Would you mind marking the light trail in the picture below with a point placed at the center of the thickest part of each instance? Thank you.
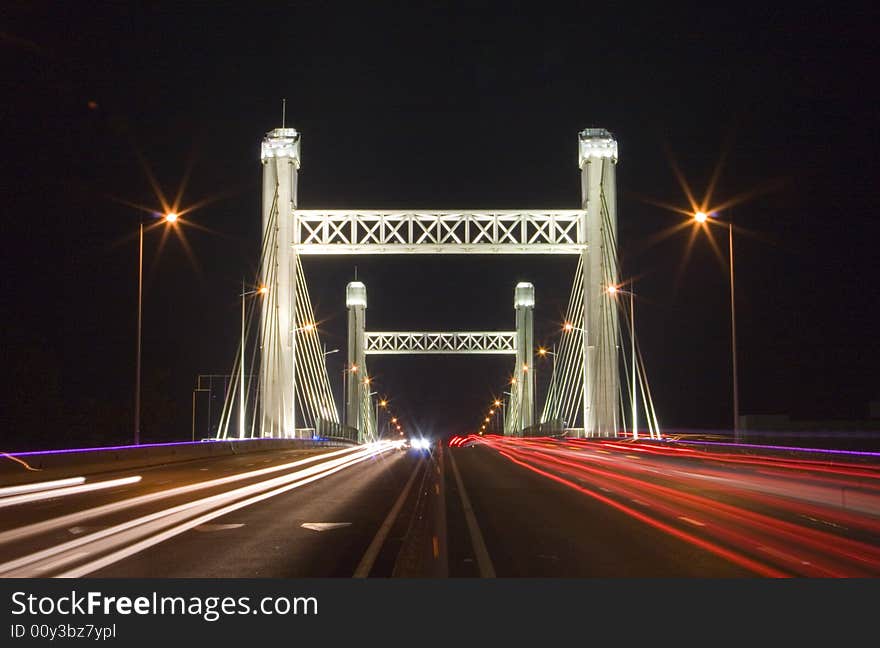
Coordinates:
(64, 492)
(732, 556)
(29, 488)
(135, 535)
(701, 496)
(113, 507)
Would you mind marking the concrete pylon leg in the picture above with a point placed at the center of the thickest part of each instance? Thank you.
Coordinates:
(524, 303)
(356, 302)
(597, 159)
(280, 156)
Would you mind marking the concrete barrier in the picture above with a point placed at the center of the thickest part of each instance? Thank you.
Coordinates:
(27, 467)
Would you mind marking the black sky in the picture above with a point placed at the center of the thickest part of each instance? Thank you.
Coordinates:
(440, 105)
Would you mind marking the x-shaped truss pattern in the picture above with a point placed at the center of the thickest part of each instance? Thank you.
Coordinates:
(436, 342)
(438, 232)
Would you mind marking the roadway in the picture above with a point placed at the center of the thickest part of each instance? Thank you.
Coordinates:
(296, 513)
(622, 509)
(486, 507)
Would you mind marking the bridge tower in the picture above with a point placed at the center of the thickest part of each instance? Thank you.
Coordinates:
(280, 157)
(524, 303)
(597, 159)
(356, 302)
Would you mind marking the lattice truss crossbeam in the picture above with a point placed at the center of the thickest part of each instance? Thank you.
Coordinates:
(389, 343)
(437, 232)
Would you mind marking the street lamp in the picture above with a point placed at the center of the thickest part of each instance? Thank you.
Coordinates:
(503, 410)
(352, 369)
(384, 405)
(544, 353)
(262, 290)
(701, 218)
(169, 219)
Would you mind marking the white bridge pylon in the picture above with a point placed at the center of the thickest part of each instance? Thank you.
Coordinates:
(291, 381)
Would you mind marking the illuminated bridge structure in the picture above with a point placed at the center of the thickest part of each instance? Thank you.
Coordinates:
(586, 393)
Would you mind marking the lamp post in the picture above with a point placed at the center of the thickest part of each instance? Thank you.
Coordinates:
(169, 219)
(503, 412)
(702, 218)
(544, 353)
(352, 369)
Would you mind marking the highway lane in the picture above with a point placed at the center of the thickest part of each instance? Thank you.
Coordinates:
(178, 516)
(594, 508)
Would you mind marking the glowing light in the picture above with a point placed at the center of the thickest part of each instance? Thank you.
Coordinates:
(491, 412)
(383, 403)
(487, 420)
(513, 381)
(542, 351)
(70, 490)
(41, 486)
(308, 327)
(497, 403)
(525, 367)
(353, 369)
(612, 290)
(263, 290)
(394, 420)
(568, 327)
(701, 216)
(171, 217)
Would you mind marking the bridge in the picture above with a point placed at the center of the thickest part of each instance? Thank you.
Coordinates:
(587, 398)
(295, 484)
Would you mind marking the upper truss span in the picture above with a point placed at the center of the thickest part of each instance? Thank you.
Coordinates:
(431, 342)
(335, 231)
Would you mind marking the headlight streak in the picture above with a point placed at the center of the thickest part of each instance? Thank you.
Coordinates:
(111, 538)
(80, 516)
(63, 492)
(820, 553)
(130, 550)
(29, 488)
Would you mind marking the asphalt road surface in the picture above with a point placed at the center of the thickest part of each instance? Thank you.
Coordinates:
(482, 508)
(274, 514)
(611, 509)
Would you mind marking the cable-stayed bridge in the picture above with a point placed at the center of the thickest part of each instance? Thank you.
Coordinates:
(296, 484)
(587, 396)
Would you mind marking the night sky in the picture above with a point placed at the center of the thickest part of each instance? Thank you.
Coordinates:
(421, 105)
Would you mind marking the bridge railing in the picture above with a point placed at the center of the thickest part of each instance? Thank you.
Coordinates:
(335, 431)
(555, 427)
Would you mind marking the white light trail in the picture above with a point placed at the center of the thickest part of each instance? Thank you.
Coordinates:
(62, 492)
(29, 488)
(76, 518)
(121, 535)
